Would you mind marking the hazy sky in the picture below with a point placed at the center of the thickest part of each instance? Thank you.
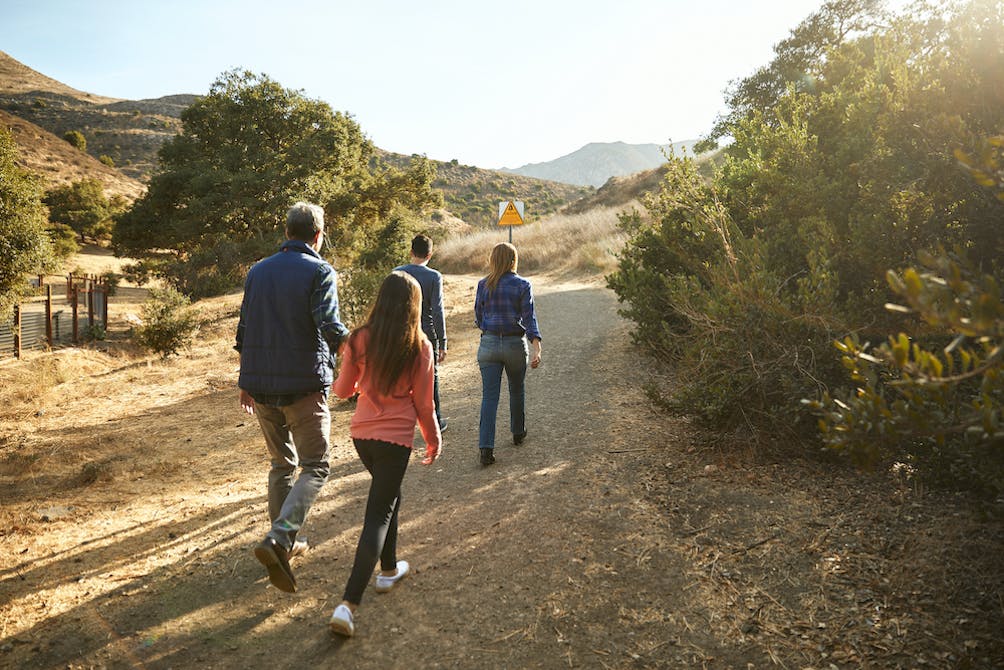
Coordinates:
(492, 84)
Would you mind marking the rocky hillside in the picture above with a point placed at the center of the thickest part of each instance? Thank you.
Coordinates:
(473, 194)
(40, 110)
(595, 163)
(129, 132)
(59, 163)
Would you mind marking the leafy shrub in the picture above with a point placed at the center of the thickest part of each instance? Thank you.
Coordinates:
(359, 284)
(706, 301)
(217, 269)
(841, 167)
(76, 138)
(169, 324)
(111, 279)
(25, 247)
(938, 408)
(940, 411)
(64, 240)
(107, 160)
(82, 205)
(95, 331)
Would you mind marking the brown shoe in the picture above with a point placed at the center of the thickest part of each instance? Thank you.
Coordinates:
(271, 554)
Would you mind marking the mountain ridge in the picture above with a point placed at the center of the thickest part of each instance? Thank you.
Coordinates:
(597, 162)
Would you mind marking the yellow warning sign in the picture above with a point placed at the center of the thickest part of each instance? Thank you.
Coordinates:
(511, 214)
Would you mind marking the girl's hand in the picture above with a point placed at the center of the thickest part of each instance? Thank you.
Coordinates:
(432, 454)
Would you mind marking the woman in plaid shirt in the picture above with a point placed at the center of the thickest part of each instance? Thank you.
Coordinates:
(504, 311)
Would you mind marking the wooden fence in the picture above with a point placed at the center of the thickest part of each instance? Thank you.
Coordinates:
(67, 311)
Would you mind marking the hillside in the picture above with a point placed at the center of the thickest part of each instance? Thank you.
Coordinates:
(595, 163)
(131, 132)
(472, 193)
(59, 163)
(16, 78)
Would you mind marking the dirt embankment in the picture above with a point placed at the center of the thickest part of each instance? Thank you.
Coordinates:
(134, 491)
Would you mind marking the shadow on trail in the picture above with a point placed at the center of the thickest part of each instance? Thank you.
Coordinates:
(545, 559)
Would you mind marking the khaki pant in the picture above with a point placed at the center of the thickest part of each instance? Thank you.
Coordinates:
(296, 435)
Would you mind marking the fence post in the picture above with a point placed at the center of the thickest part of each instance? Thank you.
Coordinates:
(48, 315)
(69, 287)
(17, 331)
(76, 337)
(104, 307)
(90, 306)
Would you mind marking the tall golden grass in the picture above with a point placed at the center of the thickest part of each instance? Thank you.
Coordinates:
(576, 244)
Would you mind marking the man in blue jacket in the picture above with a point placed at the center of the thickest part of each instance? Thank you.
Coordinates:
(287, 336)
(433, 319)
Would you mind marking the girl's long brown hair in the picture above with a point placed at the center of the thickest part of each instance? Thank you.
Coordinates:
(395, 331)
(502, 259)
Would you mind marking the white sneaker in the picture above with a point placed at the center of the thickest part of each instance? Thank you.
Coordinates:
(385, 583)
(341, 622)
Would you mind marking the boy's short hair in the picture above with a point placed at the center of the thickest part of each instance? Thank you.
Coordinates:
(421, 246)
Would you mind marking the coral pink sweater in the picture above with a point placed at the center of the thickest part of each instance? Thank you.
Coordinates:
(390, 418)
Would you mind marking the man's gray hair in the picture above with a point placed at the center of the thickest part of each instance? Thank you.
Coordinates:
(303, 220)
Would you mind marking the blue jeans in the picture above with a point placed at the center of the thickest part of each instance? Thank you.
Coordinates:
(495, 354)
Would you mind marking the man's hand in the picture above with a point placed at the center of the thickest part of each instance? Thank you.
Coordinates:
(535, 355)
(442, 356)
(247, 402)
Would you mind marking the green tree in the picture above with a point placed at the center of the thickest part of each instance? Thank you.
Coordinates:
(24, 245)
(83, 207)
(76, 138)
(248, 150)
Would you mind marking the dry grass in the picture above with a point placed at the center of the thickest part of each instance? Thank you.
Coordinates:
(578, 244)
(59, 163)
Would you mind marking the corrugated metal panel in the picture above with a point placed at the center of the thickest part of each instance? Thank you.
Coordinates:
(6, 339)
(33, 331)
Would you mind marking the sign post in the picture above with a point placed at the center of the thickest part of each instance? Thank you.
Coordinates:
(511, 214)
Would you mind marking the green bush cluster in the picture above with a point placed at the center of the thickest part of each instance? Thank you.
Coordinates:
(842, 167)
(25, 248)
(932, 403)
(169, 323)
(76, 138)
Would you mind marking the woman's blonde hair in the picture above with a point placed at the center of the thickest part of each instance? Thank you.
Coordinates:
(394, 325)
(502, 259)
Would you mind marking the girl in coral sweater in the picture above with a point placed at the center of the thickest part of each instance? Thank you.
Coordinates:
(389, 363)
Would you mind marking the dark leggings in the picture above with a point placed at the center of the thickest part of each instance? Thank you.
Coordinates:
(386, 463)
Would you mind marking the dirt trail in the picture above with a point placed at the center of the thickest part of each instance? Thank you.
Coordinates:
(604, 541)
